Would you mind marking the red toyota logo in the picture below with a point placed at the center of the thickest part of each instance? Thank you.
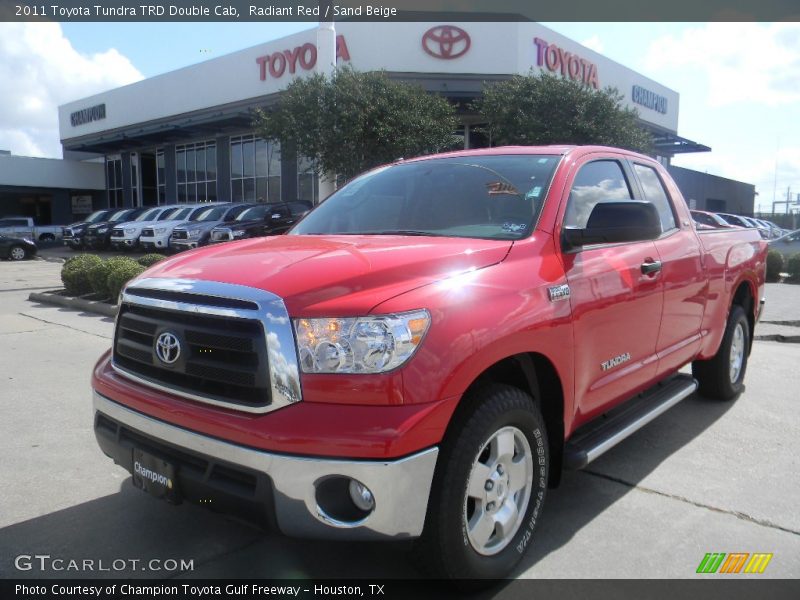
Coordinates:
(446, 41)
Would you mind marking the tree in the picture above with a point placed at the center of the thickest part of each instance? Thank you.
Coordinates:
(355, 121)
(545, 109)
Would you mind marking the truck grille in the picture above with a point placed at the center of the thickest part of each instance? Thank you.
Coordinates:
(117, 233)
(148, 232)
(220, 358)
(67, 233)
(180, 235)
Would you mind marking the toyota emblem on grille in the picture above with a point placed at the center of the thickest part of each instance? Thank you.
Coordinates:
(446, 41)
(168, 348)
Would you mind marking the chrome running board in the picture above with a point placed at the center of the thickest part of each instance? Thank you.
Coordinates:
(605, 432)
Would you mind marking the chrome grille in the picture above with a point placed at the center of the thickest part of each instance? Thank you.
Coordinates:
(180, 234)
(117, 233)
(148, 232)
(236, 349)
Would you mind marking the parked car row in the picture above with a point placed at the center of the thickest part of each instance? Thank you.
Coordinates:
(182, 226)
(709, 220)
(788, 244)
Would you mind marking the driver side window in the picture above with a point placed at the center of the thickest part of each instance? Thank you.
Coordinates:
(598, 181)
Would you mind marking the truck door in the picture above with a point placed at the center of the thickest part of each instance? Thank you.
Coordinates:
(615, 293)
(682, 274)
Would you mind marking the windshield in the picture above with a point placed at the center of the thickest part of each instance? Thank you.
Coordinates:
(96, 216)
(176, 214)
(254, 212)
(210, 214)
(489, 197)
(120, 214)
(148, 215)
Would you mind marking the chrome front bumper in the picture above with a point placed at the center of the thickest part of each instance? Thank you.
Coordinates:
(400, 487)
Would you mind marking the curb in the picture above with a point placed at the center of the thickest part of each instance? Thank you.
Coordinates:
(90, 306)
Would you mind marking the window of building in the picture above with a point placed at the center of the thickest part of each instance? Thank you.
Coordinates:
(654, 192)
(114, 181)
(307, 181)
(598, 181)
(255, 170)
(196, 167)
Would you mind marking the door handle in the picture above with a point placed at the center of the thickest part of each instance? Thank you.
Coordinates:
(651, 267)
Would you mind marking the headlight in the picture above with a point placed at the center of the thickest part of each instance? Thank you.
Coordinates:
(130, 231)
(359, 344)
(238, 234)
(161, 231)
(102, 230)
(193, 233)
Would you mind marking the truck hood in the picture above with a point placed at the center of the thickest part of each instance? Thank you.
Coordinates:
(201, 225)
(334, 275)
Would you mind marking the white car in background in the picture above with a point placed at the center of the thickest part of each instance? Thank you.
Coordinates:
(125, 236)
(156, 236)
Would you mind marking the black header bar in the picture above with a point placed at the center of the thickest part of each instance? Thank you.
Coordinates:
(397, 10)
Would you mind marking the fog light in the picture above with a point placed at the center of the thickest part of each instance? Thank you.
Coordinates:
(361, 496)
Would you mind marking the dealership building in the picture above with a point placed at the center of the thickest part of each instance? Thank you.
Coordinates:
(188, 135)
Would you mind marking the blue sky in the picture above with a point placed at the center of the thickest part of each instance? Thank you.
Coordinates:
(739, 84)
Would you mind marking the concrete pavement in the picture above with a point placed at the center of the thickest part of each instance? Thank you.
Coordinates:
(704, 477)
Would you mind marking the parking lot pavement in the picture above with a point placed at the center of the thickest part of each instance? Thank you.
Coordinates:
(704, 477)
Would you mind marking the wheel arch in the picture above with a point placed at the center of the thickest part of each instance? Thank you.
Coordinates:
(536, 375)
(745, 297)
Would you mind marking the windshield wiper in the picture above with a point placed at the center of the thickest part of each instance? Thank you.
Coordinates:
(399, 232)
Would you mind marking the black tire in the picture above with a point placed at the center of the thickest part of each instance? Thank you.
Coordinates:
(447, 548)
(717, 376)
(17, 253)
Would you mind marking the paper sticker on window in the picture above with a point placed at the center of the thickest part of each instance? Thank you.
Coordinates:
(534, 192)
(514, 227)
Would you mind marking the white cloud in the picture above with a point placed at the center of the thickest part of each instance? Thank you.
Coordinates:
(742, 62)
(594, 43)
(41, 70)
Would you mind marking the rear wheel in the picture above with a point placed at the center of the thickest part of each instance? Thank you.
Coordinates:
(489, 488)
(18, 253)
(722, 377)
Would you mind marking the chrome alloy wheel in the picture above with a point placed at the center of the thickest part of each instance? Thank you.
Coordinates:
(498, 490)
(737, 353)
(17, 253)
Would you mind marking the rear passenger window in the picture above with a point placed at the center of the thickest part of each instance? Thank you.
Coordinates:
(599, 181)
(655, 193)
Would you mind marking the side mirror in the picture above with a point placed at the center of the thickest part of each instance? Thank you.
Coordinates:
(616, 222)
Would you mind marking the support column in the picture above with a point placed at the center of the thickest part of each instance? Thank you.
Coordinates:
(127, 192)
(170, 174)
(288, 172)
(224, 168)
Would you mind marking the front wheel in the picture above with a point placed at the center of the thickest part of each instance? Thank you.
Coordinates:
(489, 487)
(722, 376)
(18, 253)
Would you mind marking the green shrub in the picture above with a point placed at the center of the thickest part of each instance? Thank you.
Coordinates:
(774, 266)
(75, 273)
(98, 274)
(148, 260)
(120, 275)
(793, 267)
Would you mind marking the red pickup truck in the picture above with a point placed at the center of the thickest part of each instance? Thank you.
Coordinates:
(423, 354)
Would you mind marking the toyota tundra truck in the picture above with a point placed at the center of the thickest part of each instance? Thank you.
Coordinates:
(425, 352)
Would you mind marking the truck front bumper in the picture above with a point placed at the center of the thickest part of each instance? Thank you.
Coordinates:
(302, 496)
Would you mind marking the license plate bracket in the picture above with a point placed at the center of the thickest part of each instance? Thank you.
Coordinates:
(155, 476)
